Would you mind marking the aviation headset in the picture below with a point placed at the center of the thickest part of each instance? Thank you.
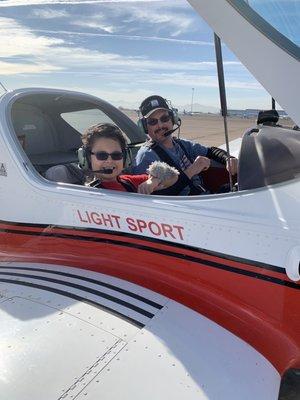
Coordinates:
(152, 103)
(84, 152)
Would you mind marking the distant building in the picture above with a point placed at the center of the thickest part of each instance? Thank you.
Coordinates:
(282, 113)
(236, 113)
(251, 113)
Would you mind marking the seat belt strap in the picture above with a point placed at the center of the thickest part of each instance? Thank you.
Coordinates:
(164, 156)
(127, 185)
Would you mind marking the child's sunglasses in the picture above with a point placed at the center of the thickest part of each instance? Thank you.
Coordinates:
(103, 155)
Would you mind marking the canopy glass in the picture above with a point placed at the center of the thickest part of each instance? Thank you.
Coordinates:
(283, 15)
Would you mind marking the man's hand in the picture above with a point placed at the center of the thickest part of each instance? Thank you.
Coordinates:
(232, 165)
(200, 164)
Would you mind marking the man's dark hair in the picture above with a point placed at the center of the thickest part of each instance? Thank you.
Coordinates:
(108, 131)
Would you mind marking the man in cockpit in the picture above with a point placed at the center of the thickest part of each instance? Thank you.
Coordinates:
(159, 120)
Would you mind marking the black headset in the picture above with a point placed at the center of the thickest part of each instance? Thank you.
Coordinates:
(161, 103)
(84, 158)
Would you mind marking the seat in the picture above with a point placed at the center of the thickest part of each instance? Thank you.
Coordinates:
(268, 155)
(40, 139)
(68, 173)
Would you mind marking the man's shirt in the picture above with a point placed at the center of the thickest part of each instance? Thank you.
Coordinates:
(146, 156)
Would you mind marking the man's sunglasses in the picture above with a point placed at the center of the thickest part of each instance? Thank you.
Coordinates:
(103, 155)
(154, 121)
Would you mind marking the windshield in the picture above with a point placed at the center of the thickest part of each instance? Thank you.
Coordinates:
(49, 125)
(2, 89)
(81, 120)
(283, 15)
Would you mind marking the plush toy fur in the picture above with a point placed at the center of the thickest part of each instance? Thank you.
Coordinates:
(162, 171)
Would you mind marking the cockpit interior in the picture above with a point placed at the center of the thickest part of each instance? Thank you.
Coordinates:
(48, 127)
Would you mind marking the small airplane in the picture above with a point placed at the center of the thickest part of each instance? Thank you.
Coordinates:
(125, 296)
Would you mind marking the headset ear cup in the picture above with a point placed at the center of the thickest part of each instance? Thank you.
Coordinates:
(142, 125)
(175, 116)
(127, 158)
(83, 159)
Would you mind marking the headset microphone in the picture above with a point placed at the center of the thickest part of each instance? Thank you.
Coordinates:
(168, 133)
(106, 171)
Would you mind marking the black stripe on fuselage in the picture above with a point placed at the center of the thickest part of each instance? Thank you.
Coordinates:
(84, 289)
(148, 240)
(209, 263)
(90, 280)
(75, 297)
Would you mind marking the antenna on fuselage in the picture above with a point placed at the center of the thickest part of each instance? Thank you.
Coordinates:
(223, 101)
(3, 86)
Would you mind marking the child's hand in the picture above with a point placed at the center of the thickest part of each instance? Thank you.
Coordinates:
(149, 185)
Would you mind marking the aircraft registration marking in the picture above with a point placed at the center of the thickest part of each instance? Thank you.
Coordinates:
(3, 171)
(143, 226)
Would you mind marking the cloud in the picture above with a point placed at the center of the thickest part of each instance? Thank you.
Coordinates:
(91, 60)
(173, 17)
(129, 92)
(7, 68)
(193, 80)
(15, 3)
(49, 13)
(127, 37)
(40, 54)
(74, 59)
(17, 40)
(157, 13)
(162, 18)
(95, 25)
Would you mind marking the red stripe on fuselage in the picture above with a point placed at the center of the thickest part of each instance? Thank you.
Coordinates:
(150, 244)
(261, 312)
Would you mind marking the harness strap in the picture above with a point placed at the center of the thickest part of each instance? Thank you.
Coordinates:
(178, 141)
(164, 156)
(127, 185)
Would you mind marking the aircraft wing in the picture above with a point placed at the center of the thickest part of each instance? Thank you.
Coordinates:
(234, 147)
(69, 333)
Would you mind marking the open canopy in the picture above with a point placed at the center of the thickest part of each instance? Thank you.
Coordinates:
(268, 54)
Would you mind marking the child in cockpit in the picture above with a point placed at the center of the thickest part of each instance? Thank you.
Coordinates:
(103, 154)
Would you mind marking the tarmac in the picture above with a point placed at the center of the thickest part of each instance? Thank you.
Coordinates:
(208, 129)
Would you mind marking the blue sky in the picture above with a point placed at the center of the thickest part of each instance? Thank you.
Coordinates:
(121, 51)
